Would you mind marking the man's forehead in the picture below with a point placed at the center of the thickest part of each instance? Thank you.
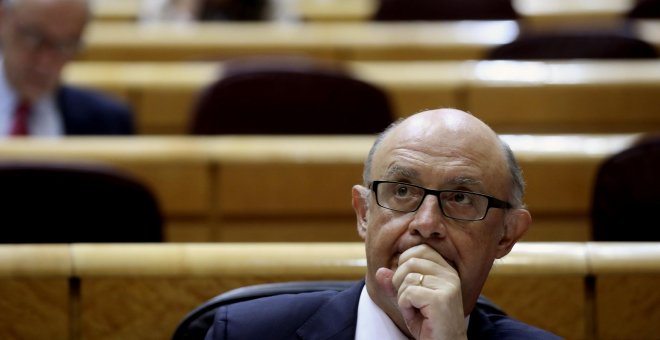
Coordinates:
(63, 9)
(397, 171)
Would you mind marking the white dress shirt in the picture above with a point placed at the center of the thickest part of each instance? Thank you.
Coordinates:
(44, 120)
(373, 323)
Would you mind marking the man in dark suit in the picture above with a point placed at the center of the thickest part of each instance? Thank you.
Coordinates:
(38, 38)
(441, 200)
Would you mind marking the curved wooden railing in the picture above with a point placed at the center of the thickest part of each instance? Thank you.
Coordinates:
(141, 291)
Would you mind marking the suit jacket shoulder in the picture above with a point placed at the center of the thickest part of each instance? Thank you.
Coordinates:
(87, 112)
(317, 315)
(333, 315)
(488, 322)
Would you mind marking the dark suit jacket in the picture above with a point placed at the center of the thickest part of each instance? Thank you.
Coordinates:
(85, 112)
(333, 315)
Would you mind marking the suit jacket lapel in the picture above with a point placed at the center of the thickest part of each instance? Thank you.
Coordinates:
(68, 112)
(336, 319)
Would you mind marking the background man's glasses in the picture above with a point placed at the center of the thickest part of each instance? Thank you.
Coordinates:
(32, 40)
(456, 204)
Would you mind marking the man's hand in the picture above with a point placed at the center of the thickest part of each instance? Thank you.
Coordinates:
(428, 292)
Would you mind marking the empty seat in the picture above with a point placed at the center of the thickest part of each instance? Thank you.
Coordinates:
(289, 96)
(233, 10)
(406, 10)
(48, 202)
(574, 45)
(195, 324)
(625, 200)
(645, 9)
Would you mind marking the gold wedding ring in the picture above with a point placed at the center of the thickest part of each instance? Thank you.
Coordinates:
(421, 280)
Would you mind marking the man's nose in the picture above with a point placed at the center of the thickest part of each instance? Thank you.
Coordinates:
(428, 221)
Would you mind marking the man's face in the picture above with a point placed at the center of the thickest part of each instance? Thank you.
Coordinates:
(38, 38)
(451, 157)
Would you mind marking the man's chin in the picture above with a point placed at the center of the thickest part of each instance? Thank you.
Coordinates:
(33, 93)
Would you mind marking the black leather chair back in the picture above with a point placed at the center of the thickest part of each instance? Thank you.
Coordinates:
(574, 45)
(278, 96)
(48, 202)
(196, 324)
(409, 10)
(233, 10)
(626, 198)
(645, 9)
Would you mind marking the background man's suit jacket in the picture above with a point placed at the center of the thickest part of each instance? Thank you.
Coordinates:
(85, 112)
(333, 315)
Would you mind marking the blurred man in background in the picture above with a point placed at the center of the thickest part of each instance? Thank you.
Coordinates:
(38, 38)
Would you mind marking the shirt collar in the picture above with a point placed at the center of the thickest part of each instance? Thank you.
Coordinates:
(45, 118)
(373, 323)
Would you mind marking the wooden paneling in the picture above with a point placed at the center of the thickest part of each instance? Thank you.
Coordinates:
(142, 291)
(126, 41)
(627, 280)
(535, 13)
(561, 308)
(289, 188)
(34, 289)
(512, 97)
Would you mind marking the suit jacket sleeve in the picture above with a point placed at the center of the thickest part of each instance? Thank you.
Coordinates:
(87, 112)
(276, 317)
(309, 316)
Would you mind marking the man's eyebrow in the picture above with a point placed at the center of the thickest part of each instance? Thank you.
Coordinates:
(461, 180)
(399, 171)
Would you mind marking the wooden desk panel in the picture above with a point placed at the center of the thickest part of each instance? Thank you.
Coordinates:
(540, 13)
(164, 94)
(34, 291)
(627, 296)
(537, 97)
(594, 108)
(337, 41)
(248, 188)
(145, 281)
(116, 10)
(141, 291)
(178, 176)
(513, 97)
(106, 41)
(559, 186)
(35, 308)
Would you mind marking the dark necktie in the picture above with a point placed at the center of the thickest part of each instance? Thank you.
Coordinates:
(21, 116)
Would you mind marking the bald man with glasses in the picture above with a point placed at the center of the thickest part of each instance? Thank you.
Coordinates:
(39, 37)
(442, 199)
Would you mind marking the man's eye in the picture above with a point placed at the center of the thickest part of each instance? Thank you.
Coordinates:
(462, 198)
(402, 191)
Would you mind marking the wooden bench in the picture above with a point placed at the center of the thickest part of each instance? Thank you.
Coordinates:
(142, 291)
(336, 41)
(298, 188)
(512, 97)
(127, 41)
(36, 298)
(537, 12)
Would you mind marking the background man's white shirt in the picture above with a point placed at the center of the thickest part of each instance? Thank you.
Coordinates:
(45, 119)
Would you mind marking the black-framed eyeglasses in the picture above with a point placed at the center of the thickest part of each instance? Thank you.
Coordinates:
(32, 39)
(455, 204)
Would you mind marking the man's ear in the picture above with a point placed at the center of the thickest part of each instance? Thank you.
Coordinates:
(361, 206)
(516, 224)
